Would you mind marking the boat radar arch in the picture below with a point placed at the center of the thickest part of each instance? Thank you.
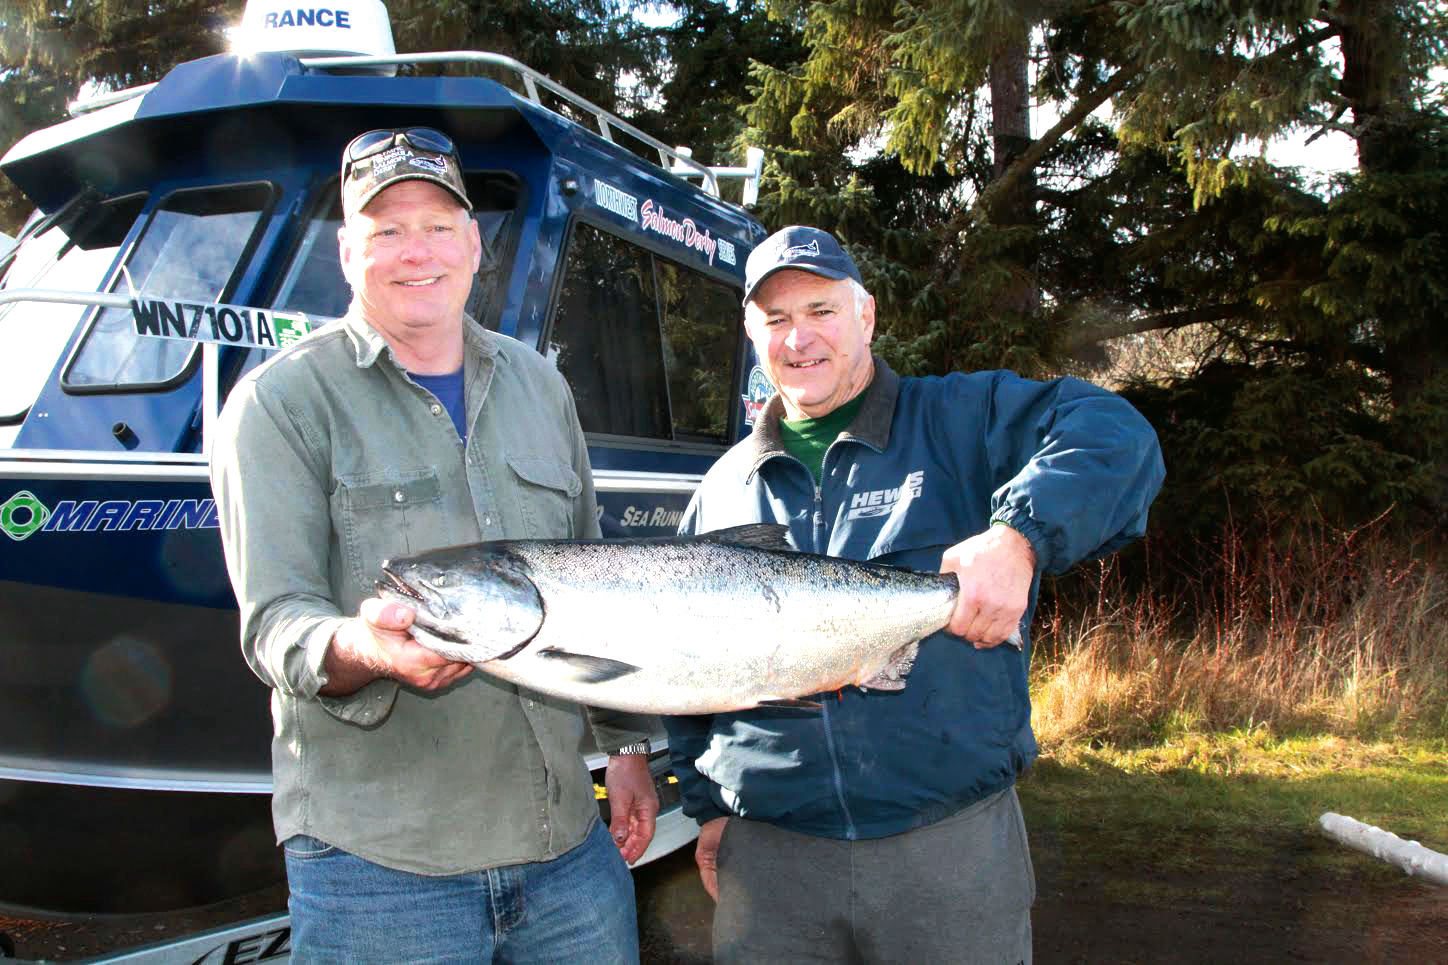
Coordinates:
(315, 28)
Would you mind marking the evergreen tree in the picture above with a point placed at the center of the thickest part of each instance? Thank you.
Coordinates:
(53, 50)
(588, 46)
(1162, 214)
(707, 53)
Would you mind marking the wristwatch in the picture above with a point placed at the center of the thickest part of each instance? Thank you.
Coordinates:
(637, 747)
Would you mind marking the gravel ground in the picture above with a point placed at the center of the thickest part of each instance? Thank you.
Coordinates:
(1212, 913)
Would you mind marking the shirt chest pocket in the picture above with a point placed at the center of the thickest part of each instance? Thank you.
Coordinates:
(546, 490)
(386, 514)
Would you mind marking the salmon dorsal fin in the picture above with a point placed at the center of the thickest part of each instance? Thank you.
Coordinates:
(764, 536)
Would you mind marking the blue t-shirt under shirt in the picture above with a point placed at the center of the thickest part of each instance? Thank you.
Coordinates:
(449, 391)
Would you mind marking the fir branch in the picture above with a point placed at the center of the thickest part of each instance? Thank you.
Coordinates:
(1114, 326)
(1002, 186)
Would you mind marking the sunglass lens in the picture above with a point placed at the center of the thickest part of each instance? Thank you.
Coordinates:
(430, 140)
(366, 145)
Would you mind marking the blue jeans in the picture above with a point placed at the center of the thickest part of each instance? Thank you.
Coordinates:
(579, 907)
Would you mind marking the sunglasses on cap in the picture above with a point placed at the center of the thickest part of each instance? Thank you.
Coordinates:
(373, 143)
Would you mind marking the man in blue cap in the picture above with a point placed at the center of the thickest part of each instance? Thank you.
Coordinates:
(886, 827)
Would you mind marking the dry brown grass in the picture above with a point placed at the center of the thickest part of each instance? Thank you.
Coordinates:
(1337, 635)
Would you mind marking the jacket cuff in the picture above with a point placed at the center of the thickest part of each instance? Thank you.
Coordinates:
(705, 816)
(1027, 527)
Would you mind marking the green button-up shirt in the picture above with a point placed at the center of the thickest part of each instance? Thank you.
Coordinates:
(328, 460)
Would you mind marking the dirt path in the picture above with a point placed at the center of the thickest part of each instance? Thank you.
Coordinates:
(1216, 912)
(1225, 911)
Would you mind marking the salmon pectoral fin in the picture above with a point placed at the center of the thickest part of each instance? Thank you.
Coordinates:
(585, 668)
(790, 703)
(892, 677)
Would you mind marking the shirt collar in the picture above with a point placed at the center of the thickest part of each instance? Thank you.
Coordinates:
(369, 344)
(871, 425)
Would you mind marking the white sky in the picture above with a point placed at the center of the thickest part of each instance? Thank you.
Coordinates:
(1332, 152)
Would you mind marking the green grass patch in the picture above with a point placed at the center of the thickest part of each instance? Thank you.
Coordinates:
(1155, 817)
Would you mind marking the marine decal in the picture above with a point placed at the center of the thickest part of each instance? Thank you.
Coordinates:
(222, 324)
(651, 216)
(273, 945)
(23, 515)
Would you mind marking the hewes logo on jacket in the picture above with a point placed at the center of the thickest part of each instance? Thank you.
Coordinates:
(879, 502)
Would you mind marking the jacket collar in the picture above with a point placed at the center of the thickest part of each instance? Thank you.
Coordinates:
(871, 425)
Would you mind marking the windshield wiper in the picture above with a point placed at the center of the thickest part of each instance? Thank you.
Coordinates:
(76, 208)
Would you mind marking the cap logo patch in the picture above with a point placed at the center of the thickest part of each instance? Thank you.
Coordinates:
(813, 248)
(430, 164)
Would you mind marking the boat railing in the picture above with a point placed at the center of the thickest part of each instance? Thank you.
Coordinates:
(675, 160)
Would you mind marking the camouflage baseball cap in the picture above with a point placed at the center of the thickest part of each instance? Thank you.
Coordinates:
(378, 159)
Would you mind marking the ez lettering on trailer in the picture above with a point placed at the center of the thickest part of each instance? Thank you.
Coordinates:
(258, 948)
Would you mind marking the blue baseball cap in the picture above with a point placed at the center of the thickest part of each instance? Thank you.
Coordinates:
(803, 249)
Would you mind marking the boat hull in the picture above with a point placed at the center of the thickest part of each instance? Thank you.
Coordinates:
(127, 713)
(119, 638)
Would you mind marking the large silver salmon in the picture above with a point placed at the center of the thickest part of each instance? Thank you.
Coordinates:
(725, 621)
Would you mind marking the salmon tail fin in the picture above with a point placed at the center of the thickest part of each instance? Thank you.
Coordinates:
(586, 668)
(892, 677)
(764, 536)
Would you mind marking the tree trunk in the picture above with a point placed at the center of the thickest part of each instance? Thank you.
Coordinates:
(1390, 141)
(1011, 135)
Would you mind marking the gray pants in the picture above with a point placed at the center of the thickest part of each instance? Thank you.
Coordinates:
(959, 890)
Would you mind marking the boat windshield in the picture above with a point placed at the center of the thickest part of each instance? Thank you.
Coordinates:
(194, 247)
(73, 255)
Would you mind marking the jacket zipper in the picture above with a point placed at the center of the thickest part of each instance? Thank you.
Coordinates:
(822, 546)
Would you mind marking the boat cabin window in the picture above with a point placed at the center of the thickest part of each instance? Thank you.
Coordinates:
(193, 248)
(647, 344)
(313, 284)
(73, 255)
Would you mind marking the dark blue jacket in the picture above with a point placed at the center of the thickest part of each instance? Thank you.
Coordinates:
(926, 463)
